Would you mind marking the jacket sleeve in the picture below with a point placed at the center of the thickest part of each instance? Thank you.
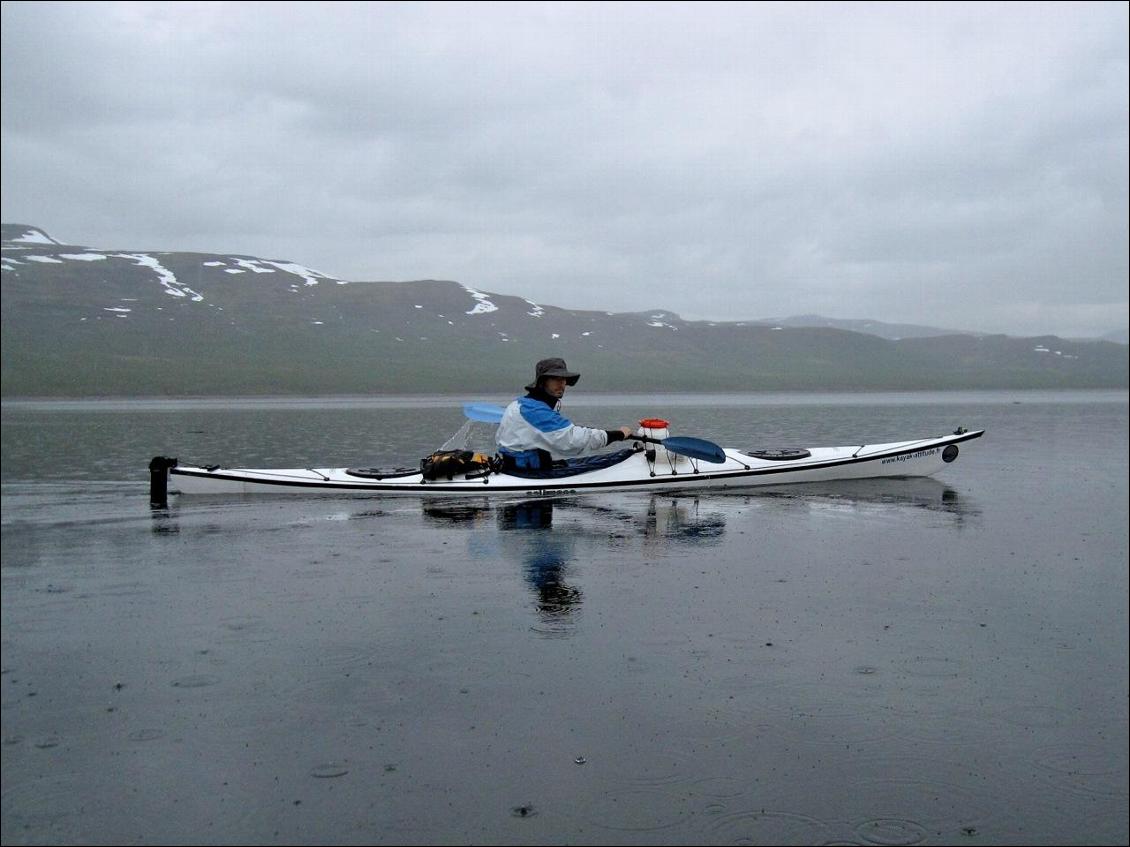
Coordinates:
(573, 440)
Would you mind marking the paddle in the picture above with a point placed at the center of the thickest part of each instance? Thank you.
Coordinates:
(695, 448)
(484, 412)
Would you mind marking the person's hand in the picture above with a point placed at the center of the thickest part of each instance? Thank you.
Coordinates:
(628, 431)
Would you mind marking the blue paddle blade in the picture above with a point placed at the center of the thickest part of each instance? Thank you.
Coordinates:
(485, 412)
(696, 448)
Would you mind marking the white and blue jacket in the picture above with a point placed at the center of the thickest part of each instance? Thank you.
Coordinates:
(532, 426)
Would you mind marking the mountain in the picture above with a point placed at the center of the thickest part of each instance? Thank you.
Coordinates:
(894, 332)
(83, 322)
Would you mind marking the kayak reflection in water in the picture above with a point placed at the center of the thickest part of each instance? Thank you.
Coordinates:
(533, 431)
(545, 556)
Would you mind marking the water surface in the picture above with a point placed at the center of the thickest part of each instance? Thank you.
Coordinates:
(891, 662)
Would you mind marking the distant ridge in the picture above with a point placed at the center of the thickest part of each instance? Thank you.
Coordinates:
(894, 332)
(79, 321)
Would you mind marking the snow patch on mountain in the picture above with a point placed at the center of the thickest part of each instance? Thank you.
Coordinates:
(483, 305)
(659, 320)
(166, 277)
(83, 257)
(36, 236)
(311, 277)
(253, 266)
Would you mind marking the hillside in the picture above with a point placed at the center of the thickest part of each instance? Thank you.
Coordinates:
(122, 322)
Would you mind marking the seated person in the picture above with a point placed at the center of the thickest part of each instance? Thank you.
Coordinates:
(533, 432)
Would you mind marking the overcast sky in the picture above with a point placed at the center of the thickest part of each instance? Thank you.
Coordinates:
(955, 165)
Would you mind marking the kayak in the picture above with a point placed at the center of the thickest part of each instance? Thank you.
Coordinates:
(652, 464)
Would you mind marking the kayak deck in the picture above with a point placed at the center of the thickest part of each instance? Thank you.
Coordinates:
(638, 469)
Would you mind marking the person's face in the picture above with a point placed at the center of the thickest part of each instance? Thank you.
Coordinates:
(555, 386)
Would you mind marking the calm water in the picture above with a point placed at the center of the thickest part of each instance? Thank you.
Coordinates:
(891, 662)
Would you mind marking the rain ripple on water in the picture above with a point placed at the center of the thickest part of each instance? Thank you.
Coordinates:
(766, 826)
(1086, 769)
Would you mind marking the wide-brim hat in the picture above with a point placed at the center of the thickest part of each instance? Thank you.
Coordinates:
(553, 367)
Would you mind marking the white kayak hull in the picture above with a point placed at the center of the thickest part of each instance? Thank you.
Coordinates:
(742, 469)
